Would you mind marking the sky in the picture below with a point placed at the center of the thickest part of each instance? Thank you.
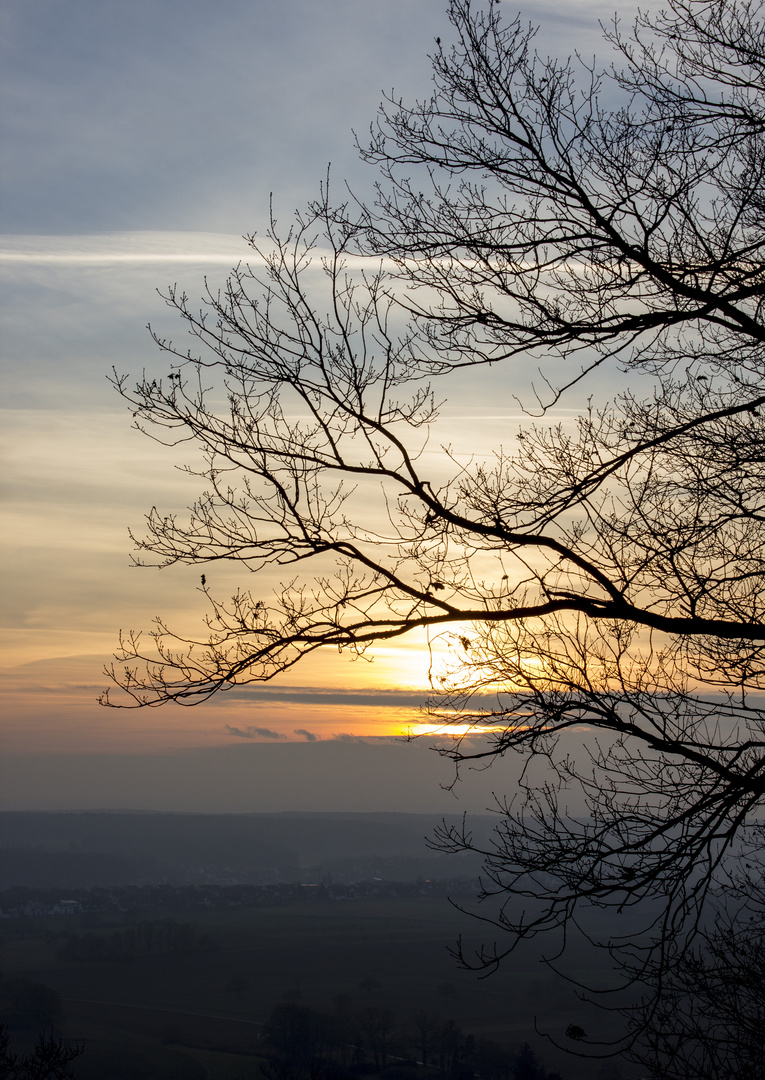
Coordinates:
(141, 141)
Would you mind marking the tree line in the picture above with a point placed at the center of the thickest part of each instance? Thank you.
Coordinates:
(153, 937)
(346, 1041)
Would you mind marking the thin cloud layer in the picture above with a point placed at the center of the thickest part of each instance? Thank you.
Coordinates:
(140, 248)
(370, 696)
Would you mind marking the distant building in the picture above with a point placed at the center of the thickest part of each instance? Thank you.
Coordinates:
(66, 907)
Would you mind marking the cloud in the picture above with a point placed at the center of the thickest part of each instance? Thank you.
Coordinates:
(371, 697)
(86, 136)
(251, 732)
(118, 248)
(307, 735)
(367, 740)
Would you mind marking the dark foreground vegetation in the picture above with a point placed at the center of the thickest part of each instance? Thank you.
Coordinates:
(50, 1059)
(157, 985)
(344, 1042)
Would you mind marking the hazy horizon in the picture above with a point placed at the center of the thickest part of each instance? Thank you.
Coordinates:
(353, 775)
(140, 146)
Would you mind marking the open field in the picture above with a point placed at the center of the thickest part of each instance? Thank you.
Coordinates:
(186, 1012)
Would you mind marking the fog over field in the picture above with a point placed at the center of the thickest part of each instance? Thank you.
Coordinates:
(172, 944)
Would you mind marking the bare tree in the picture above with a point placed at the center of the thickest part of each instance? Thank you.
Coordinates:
(376, 1026)
(603, 577)
(708, 1019)
(425, 1031)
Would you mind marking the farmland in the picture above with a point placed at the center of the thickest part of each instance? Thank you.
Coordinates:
(200, 1013)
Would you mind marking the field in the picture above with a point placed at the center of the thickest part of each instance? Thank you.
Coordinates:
(199, 1015)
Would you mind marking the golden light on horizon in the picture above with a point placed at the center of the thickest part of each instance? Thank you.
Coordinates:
(453, 731)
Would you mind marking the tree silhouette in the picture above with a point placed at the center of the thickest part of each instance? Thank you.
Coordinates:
(604, 576)
(376, 1025)
(708, 1019)
(426, 1028)
(50, 1059)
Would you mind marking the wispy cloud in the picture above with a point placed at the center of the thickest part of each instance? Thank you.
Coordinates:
(251, 732)
(149, 248)
(309, 736)
(113, 258)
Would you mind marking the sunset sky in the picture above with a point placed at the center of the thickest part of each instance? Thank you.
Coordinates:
(140, 141)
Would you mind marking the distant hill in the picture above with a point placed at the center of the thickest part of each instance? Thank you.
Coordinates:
(108, 848)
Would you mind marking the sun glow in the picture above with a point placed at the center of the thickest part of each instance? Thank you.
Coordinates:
(452, 731)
